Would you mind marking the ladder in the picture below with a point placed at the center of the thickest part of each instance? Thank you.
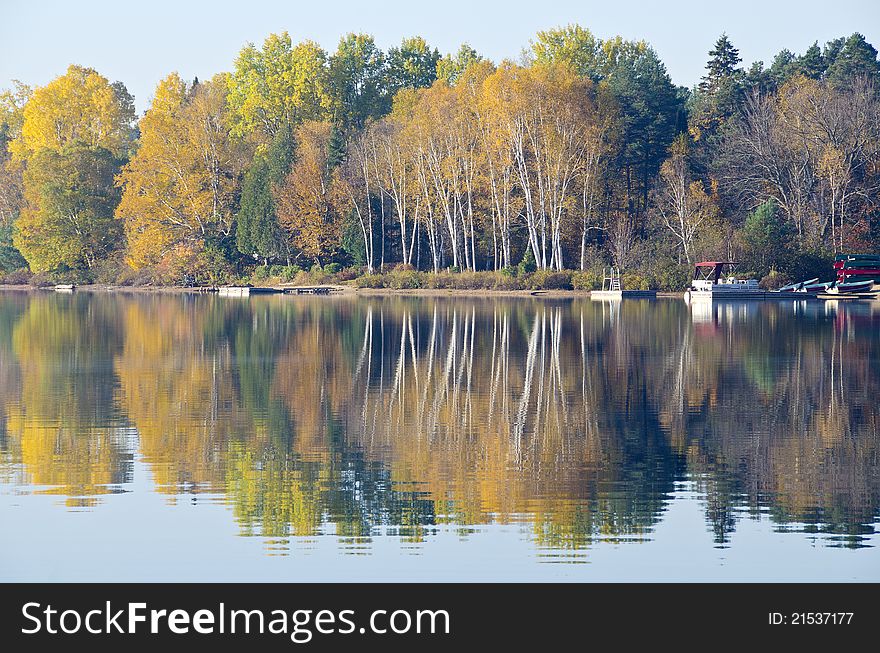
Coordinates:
(611, 278)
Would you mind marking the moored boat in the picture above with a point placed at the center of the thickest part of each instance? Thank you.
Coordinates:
(796, 287)
(816, 287)
(850, 287)
(710, 282)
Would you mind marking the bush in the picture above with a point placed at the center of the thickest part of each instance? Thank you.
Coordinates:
(370, 281)
(527, 265)
(774, 280)
(289, 273)
(635, 281)
(16, 277)
(332, 268)
(550, 280)
(348, 274)
(673, 278)
(41, 280)
(586, 280)
(403, 279)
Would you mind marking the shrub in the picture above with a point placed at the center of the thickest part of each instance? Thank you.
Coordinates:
(332, 268)
(586, 280)
(527, 265)
(403, 279)
(289, 273)
(370, 281)
(550, 280)
(348, 274)
(774, 280)
(635, 281)
(41, 280)
(16, 277)
(673, 278)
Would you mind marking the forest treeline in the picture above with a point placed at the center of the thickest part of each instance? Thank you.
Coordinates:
(407, 168)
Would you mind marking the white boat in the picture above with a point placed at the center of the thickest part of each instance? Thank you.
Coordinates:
(710, 282)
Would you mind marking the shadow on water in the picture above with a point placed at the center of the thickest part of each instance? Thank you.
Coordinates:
(363, 418)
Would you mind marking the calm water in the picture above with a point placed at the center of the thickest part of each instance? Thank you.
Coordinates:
(149, 437)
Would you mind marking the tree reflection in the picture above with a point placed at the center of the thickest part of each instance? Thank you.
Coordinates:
(364, 417)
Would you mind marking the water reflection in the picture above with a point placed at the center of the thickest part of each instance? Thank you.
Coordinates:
(366, 418)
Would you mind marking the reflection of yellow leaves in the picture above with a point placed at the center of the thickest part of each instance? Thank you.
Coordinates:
(85, 463)
(173, 391)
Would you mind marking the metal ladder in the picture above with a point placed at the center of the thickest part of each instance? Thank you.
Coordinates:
(611, 278)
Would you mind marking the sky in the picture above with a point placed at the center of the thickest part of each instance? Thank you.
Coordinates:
(139, 43)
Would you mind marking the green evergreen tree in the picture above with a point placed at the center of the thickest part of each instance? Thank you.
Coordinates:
(856, 58)
(765, 235)
(723, 64)
(812, 63)
(257, 232)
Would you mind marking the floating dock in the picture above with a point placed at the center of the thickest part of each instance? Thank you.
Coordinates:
(245, 291)
(65, 287)
(623, 294)
(311, 290)
(864, 296)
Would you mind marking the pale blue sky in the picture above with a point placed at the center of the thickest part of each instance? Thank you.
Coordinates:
(141, 42)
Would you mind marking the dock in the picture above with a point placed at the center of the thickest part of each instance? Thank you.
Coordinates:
(864, 296)
(623, 294)
(245, 291)
(613, 289)
(311, 290)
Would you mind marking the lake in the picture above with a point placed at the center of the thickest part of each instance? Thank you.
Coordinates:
(177, 437)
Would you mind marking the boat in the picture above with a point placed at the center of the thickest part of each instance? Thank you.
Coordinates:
(857, 268)
(816, 287)
(710, 282)
(796, 287)
(850, 287)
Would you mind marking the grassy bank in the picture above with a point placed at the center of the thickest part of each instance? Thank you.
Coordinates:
(398, 278)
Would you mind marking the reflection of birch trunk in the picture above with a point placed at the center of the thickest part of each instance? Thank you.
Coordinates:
(522, 411)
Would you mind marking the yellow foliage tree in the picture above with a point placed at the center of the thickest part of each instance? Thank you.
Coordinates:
(179, 187)
(80, 106)
(305, 199)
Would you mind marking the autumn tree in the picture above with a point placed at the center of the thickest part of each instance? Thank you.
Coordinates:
(180, 187)
(280, 85)
(74, 134)
(79, 107)
(681, 201)
(305, 202)
(67, 220)
(12, 104)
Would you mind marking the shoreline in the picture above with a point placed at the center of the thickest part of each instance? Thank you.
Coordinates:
(338, 291)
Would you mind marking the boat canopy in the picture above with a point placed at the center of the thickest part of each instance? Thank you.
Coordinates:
(711, 269)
